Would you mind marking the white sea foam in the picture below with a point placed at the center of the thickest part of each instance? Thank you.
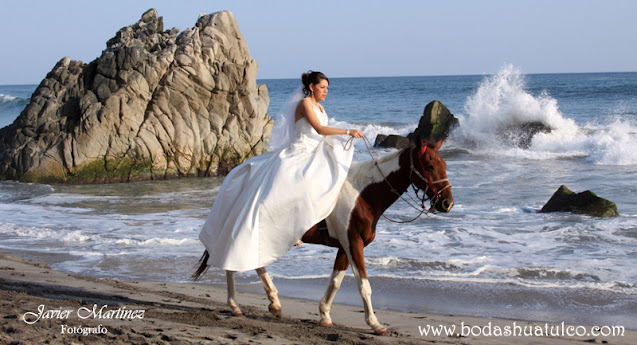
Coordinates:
(372, 130)
(160, 241)
(6, 98)
(70, 198)
(86, 253)
(10, 107)
(76, 236)
(502, 102)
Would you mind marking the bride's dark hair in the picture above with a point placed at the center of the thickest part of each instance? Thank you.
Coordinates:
(311, 77)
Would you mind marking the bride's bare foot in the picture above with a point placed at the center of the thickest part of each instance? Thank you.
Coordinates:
(298, 243)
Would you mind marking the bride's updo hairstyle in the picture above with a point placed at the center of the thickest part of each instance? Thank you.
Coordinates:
(312, 77)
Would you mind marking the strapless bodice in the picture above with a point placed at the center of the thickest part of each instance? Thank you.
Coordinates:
(304, 129)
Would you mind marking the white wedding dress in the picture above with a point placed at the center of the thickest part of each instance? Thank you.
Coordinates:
(267, 203)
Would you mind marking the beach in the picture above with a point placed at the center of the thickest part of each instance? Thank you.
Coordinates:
(494, 263)
(119, 124)
(41, 305)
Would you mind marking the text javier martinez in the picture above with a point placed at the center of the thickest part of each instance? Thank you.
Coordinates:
(95, 312)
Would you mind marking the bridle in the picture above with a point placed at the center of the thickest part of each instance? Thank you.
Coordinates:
(426, 178)
(430, 184)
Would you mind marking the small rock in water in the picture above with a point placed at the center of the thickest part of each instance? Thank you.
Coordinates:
(587, 202)
(392, 140)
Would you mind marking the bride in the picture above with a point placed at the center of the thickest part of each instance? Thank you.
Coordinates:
(268, 202)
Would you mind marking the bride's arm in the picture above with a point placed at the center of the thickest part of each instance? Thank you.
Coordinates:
(308, 112)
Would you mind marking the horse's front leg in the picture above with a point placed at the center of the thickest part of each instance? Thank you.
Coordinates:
(231, 298)
(271, 291)
(340, 266)
(357, 260)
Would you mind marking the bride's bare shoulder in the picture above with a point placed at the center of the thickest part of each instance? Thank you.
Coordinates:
(301, 108)
(304, 104)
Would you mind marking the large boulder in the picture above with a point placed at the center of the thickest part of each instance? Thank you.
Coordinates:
(521, 135)
(155, 104)
(435, 124)
(565, 200)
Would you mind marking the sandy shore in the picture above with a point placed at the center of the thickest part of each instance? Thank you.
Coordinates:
(123, 312)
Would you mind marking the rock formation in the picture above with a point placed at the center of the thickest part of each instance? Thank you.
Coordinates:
(565, 200)
(435, 124)
(392, 140)
(155, 104)
(520, 135)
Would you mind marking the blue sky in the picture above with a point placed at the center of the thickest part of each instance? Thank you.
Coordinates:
(346, 38)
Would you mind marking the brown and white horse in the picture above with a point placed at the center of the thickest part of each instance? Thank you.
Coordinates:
(371, 187)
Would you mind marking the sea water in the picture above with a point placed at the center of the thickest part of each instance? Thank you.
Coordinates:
(494, 254)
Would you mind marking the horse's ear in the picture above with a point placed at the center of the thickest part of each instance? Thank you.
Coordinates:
(438, 144)
(421, 145)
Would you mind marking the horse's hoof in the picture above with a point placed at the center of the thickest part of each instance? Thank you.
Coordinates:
(276, 311)
(383, 331)
(237, 312)
(326, 323)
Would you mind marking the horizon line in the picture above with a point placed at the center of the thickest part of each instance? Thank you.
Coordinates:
(452, 75)
(406, 76)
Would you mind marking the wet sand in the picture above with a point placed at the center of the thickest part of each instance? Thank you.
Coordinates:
(127, 312)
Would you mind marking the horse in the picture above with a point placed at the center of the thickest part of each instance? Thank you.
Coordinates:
(370, 188)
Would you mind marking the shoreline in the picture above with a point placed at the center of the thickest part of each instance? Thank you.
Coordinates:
(470, 299)
(574, 305)
(190, 313)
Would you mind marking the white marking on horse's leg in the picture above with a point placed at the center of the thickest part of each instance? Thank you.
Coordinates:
(326, 303)
(271, 291)
(366, 293)
(231, 298)
(370, 317)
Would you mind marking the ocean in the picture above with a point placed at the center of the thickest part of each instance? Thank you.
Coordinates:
(493, 255)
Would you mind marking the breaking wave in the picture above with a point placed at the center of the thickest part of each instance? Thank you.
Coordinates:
(503, 118)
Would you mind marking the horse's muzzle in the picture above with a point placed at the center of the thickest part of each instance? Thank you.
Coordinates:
(444, 205)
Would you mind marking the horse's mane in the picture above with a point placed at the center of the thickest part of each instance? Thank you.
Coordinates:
(361, 173)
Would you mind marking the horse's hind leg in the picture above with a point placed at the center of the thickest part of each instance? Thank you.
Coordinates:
(340, 265)
(231, 298)
(271, 291)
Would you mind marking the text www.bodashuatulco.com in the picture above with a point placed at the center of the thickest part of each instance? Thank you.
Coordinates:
(515, 330)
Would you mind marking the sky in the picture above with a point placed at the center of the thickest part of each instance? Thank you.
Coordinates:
(345, 38)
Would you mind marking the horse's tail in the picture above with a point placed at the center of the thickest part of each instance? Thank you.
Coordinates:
(203, 266)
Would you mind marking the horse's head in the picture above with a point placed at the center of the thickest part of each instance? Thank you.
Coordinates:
(429, 173)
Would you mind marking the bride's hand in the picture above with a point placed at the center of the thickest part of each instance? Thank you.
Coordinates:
(356, 133)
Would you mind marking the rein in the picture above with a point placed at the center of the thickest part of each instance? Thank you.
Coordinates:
(427, 178)
(421, 200)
